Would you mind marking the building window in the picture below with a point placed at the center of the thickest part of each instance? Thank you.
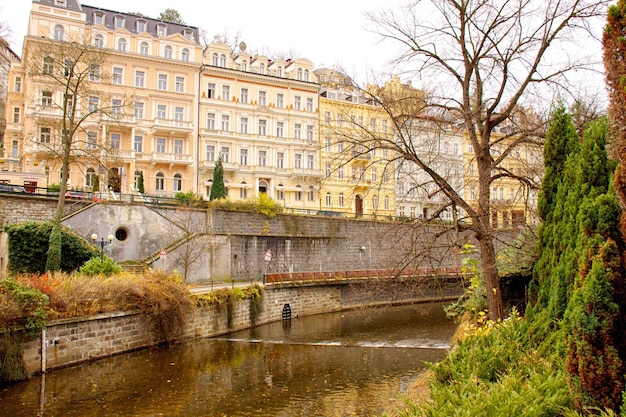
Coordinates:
(210, 153)
(90, 176)
(226, 92)
(117, 76)
(299, 74)
(244, 65)
(178, 146)
(386, 202)
(374, 179)
(162, 85)
(472, 193)
(243, 157)
(297, 102)
(161, 111)
(140, 78)
(98, 41)
(161, 29)
(223, 60)
(297, 160)
(328, 170)
(280, 159)
(385, 175)
(309, 104)
(58, 33)
(243, 191)
(341, 200)
(210, 121)
(243, 125)
(46, 98)
(167, 52)
(470, 147)
(280, 100)
(339, 120)
(138, 144)
(297, 131)
(94, 73)
(244, 96)
(210, 91)
(279, 71)
(262, 68)
(48, 66)
(16, 114)
(375, 202)
(68, 68)
(310, 161)
(262, 98)
(327, 144)
(311, 194)
(180, 84)
(280, 194)
(298, 194)
(138, 110)
(98, 18)
(214, 59)
(141, 26)
(328, 200)
(384, 125)
(178, 182)
(119, 22)
(160, 145)
(92, 140)
(225, 153)
(327, 118)
(115, 140)
(45, 134)
(159, 183)
(93, 104)
(309, 132)
(306, 75)
(262, 158)
(143, 48)
(121, 45)
(116, 105)
(340, 173)
(262, 127)
(184, 55)
(225, 122)
(280, 127)
(179, 115)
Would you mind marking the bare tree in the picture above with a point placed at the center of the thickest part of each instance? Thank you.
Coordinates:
(73, 91)
(483, 60)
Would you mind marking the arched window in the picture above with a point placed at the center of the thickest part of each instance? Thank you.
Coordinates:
(58, 32)
(98, 41)
(328, 200)
(143, 48)
(178, 182)
(168, 52)
(299, 74)
(243, 191)
(223, 60)
(159, 183)
(121, 45)
(214, 59)
(311, 193)
(306, 75)
(184, 55)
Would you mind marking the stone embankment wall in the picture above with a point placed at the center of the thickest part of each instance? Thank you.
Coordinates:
(69, 342)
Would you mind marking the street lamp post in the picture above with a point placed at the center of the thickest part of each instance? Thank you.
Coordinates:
(102, 243)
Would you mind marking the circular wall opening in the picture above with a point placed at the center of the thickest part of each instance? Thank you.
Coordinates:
(121, 234)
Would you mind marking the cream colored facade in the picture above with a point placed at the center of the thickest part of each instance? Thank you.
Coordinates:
(262, 118)
(358, 177)
(147, 80)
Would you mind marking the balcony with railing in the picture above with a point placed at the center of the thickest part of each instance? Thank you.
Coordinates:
(172, 125)
(171, 158)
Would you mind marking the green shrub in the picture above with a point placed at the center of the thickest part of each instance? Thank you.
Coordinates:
(99, 266)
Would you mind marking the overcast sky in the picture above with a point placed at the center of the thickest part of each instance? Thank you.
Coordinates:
(327, 32)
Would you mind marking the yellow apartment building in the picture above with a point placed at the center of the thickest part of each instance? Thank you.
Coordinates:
(136, 104)
(261, 117)
(358, 177)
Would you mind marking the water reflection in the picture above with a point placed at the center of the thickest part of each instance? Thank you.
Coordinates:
(341, 364)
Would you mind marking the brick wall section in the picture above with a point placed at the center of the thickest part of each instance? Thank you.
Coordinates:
(69, 342)
(19, 208)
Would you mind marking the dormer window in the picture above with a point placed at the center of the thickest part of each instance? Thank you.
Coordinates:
(244, 65)
(262, 68)
(299, 74)
(98, 18)
(119, 22)
(214, 59)
(188, 34)
(141, 26)
(161, 29)
(279, 72)
(306, 75)
(223, 60)
(61, 3)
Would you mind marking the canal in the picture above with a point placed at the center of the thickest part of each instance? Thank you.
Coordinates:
(352, 363)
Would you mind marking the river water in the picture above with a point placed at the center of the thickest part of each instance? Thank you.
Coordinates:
(351, 363)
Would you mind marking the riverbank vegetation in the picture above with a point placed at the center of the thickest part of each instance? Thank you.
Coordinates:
(565, 356)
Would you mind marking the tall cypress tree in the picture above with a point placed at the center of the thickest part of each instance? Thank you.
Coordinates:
(218, 190)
